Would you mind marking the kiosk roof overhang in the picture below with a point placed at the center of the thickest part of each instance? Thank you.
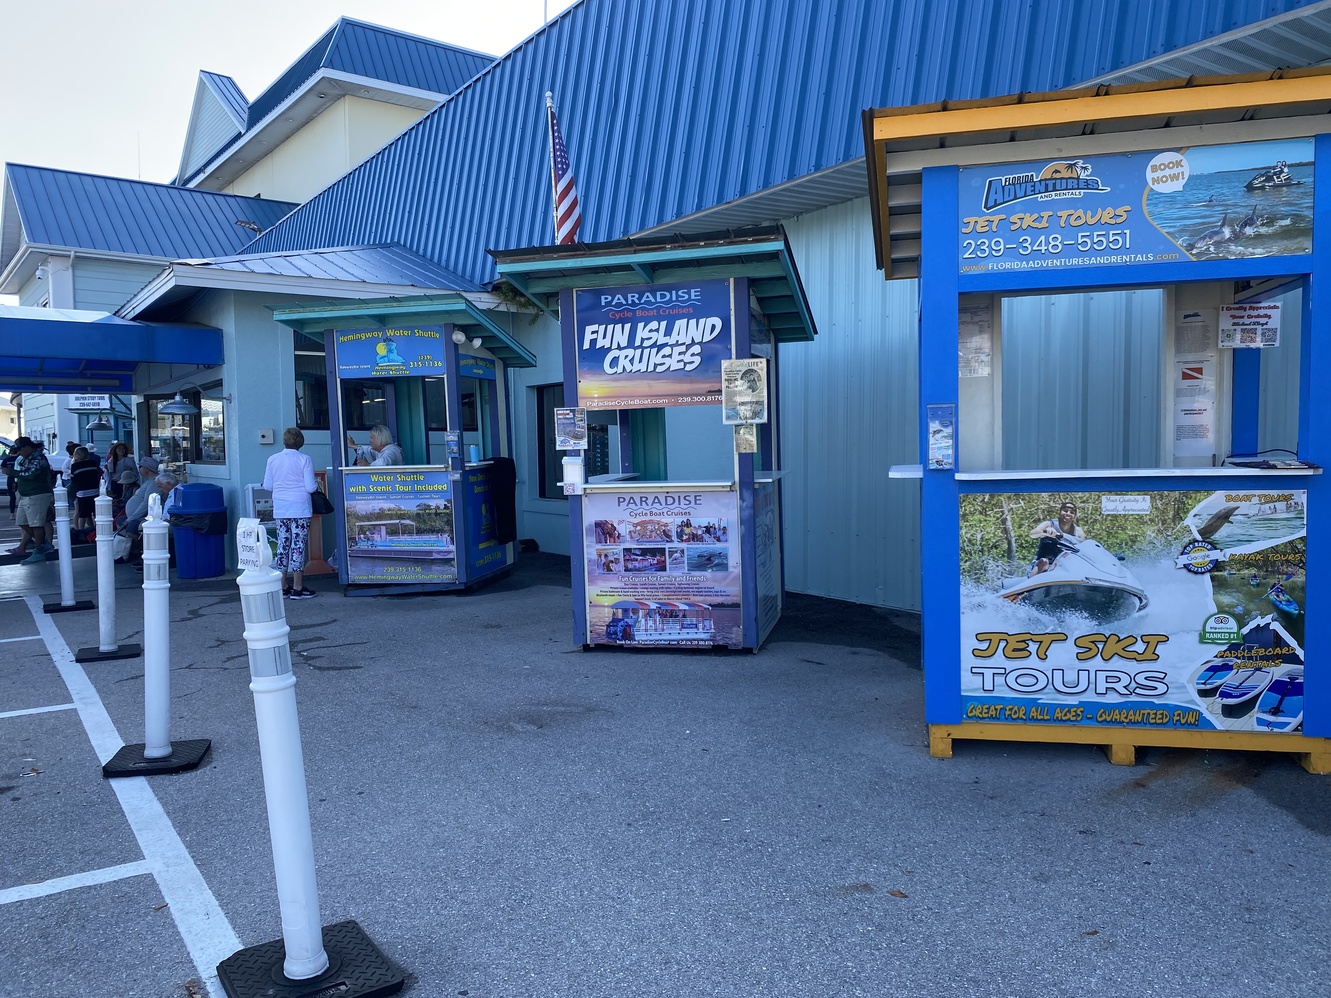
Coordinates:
(761, 254)
(67, 350)
(899, 142)
(454, 309)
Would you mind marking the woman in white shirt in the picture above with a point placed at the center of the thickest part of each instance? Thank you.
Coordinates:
(289, 476)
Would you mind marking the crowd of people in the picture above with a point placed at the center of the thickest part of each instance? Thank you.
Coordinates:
(31, 477)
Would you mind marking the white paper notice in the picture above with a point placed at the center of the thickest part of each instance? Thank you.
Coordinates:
(1194, 408)
(975, 340)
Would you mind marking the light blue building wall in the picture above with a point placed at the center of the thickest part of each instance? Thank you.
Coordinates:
(849, 406)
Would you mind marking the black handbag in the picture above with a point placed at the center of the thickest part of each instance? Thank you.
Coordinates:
(320, 504)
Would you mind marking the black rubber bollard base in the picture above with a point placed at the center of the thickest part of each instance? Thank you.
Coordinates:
(129, 761)
(97, 655)
(357, 968)
(83, 604)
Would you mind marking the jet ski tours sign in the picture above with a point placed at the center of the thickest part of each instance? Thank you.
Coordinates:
(1160, 610)
(1199, 203)
(652, 345)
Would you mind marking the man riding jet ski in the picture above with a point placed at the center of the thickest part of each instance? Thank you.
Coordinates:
(1071, 572)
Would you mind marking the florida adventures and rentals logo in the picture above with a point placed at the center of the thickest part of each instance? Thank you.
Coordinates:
(1065, 178)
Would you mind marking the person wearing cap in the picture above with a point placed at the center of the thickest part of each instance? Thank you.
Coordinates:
(32, 475)
(128, 484)
(136, 510)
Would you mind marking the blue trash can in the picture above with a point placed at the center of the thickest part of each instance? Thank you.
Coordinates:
(198, 526)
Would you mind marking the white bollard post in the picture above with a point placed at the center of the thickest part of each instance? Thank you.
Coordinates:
(106, 575)
(156, 754)
(66, 557)
(274, 689)
(156, 634)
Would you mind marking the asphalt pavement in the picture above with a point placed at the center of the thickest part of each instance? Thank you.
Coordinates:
(506, 814)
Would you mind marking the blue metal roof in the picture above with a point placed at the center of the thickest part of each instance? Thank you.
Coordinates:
(377, 53)
(371, 264)
(114, 215)
(230, 94)
(69, 350)
(672, 106)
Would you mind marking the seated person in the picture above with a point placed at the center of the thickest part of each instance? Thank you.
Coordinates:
(129, 486)
(381, 449)
(136, 509)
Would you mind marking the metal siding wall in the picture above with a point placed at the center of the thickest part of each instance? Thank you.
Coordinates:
(1278, 424)
(213, 128)
(849, 411)
(1064, 392)
(105, 285)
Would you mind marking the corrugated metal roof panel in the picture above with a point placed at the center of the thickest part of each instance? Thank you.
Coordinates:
(376, 53)
(396, 57)
(711, 101)
(114, 215)
(371, 264)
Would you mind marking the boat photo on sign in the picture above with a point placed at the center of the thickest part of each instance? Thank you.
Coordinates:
(1160, 609)
(1195, 203)
(399, 525)
(663, 568)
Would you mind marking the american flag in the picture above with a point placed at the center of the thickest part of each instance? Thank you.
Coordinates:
(568, 213)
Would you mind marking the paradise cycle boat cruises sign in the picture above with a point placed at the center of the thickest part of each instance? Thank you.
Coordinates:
(1195, 203)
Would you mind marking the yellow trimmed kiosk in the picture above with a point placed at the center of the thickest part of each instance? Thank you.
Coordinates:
(1120, 441)
(670, 432)
(433, 510)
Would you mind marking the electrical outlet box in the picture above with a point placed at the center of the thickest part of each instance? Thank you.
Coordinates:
(266, 436)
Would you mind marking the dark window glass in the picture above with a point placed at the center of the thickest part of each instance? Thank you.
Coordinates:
(311, 384)
(364, 404)
(548, 399)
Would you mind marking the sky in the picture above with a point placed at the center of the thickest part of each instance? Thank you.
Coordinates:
(106, 86)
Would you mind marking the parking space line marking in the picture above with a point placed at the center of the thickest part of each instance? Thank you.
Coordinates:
(26, 637)
(36, 710)
(106, 875)
(203, 926)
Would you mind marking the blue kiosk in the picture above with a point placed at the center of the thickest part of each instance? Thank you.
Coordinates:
(670, 431)
(1120, 358)
(431, 370)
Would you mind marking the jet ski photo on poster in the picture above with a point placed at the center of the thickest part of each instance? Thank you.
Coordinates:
(1157, 609)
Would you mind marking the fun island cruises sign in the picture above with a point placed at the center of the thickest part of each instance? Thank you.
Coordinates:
(1197, 203)
(652, 345)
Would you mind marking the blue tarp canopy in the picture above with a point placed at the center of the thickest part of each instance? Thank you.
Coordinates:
(62, 350)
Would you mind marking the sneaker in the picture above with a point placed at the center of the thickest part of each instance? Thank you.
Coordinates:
(43, 548)
(302, 593)
(286, 591)
(37, 558)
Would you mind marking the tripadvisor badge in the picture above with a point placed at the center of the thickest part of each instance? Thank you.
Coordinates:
(1220, 629)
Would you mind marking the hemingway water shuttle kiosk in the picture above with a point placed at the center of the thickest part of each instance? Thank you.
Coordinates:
(670, 430)
(431, 370)
(1120, 442)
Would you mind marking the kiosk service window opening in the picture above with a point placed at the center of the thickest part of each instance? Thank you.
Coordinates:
(1177, 376)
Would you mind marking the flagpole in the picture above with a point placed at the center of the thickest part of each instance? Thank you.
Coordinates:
(550, 134)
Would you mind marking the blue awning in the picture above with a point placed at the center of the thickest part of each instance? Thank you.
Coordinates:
(64, 350)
